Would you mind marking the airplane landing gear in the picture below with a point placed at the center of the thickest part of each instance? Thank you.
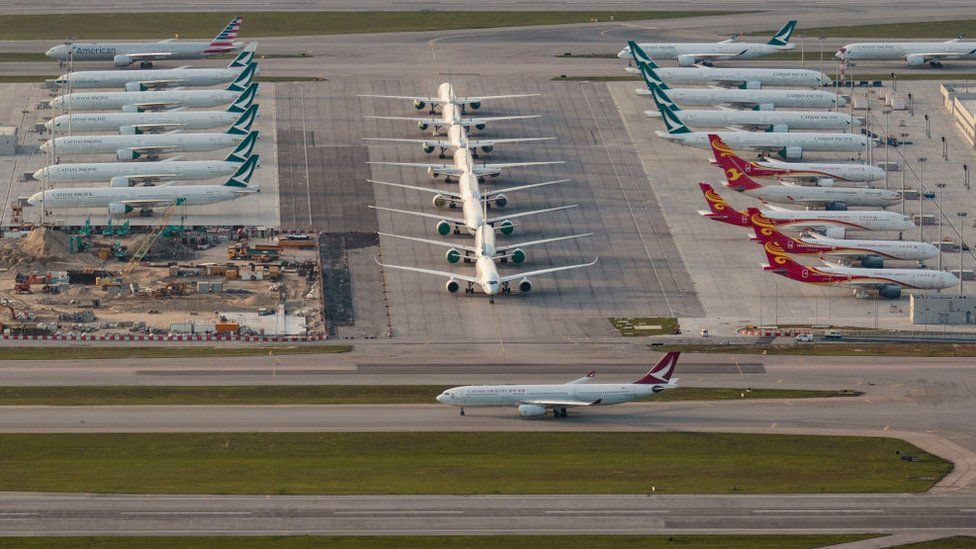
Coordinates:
(491, 300)
(443, 153)
(145, 65)
(506, 288)
(470, 288)
(558, 412)
(462, 411)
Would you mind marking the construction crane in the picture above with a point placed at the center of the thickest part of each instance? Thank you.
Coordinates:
(155, 230)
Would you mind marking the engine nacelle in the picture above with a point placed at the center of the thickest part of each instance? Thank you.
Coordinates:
(687, 60)
(441, 201)
(452, 286)
(501, 200)
(117, 210)
(488, 148)
(531, 410)
(427, 148)
(825, 182)
(506, 227)
(872, 262)
(134, 87)
(518, 255)
(890, 291)
(525, 285)
(751, 85)
(122, 60)
(432, 172)
(765, 107)
(443, 228)
(480, 126)
(129, 130)
(126, 154)
(779, 128)
(915, 60)
(792, 153)
(419, 105)
(835, 232)
(120, 181)
(475, 105)
(453, 255)
(836, 206)
(423, 125)
(131, 108)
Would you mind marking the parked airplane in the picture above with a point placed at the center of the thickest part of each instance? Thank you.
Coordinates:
(464, 161)
(474, 218)
(126, 174)
(469, 189)
(451, 115)
(447, 96)
(887, 282)
(834, 224)
(831, 198)
(763, 100)
(457, 138)
(822, 174)
(770, 121)
(870, 253)
(745, 78)
(138, 101)
(126, 53)
(688, 54)
(786, 144)
(915, 54)
(537, 400)
(143, 80)
(123, 200)
(137, 123)
(130, 147)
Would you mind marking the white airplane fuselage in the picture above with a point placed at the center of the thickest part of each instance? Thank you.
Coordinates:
(99, 101)
(854, 173)
(854, 220)
(167, 77)
(788, 144)
(116, 121)
(887, 249)
(775, 120)
(799, 99)
(811, 196)
(192, 195)
(186, 170)
(513, 395)
(116, 51)
(174, 142)
(727, 49)
(914, 53)
(919, 279)
(747, 78)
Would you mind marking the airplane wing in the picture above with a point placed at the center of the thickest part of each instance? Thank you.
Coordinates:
(472, 143)
(523, 187)
(149, 56)
(937, 56)
(523, 214)
(146, 149)
(488, 167)
(161, 83)
(445, 274)
(442, 168)
(153, 104)
(492, 97)
(520, 276)
(145, 178)
(155, 126)
(436, 142)
(416, 188)
(430, 121)
(443, 243)
(454, 220)
(146, 203)
(584, 379)
(714, 55)
(463, 122)
(561, 403)
(542, 241)
(407, 97)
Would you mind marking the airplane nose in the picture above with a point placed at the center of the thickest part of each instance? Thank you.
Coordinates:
(39, 174)
(34, 200)
(624, 53)
(45, 146)
(442, 398)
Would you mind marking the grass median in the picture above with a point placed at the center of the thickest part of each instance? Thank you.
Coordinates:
(461, 463)
(921, 350)
(145, 26)
(257, 395)
(108, 353)
(941, 30)
(425, 542)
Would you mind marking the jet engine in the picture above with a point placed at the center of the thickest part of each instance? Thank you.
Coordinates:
(452, 286)
(518, 255)
(126, 154)
(890, 291)
(825, 182)
(116, 210)
(122, 60)
(419, 105)
(915, 60)
(475, 105)
(873, 262)
(432, 172)
(531, 410)
(751, 85)
(120, 181)
(506, 227)
(835, 232)
(129, 130)
(765, 107)
(779, 128)
(501, 201)
(443, 228)
(453, 255)
(480, 126)
(441, 201)
(423, 125)
(792, 153)
(836, 206)
(525, 286)
(427, 147)
(687, 60)
(131, 108)
(134, 87)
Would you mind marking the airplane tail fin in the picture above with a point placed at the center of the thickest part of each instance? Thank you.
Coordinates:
(781, 263)
(246, 170)
(244, 122)
(720, 210)
(734, 167)
(669, 111)
(662, 371)
(244, 79)
(782, 37)
(766, 231)
(244, 100)
(640, 56)
(245, 57)
(243, 149)
(647, 72)
(224, 41)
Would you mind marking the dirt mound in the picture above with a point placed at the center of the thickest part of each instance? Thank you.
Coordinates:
(40, 248)
(44, 243)
(170, 249)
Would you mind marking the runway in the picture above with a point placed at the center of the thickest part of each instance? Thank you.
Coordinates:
(82, 514)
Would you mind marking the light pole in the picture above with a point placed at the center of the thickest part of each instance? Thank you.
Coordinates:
(887, 113)
(928, 127)
(821, 40)
(921, 196)
(965, 175)
(962, 244)
(945, 149)
(938, 207)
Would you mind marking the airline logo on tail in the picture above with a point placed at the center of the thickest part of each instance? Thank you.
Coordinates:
(640, 56)
(245, 171)
(720, 210)
(781, 263)
(224, 41)
(245, 58)
(650, 76)
(244, 100)
(244, 79)
(661, 373)
(243, 124)
(734, 167)
(782, 38)
(244, 149)
(673, 124)
(766, 231)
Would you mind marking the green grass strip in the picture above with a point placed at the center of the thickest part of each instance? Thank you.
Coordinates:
(834, 349)
(461, 463)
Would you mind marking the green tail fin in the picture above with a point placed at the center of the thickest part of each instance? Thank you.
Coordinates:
(782, 37)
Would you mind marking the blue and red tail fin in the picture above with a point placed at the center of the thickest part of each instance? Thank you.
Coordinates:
(662, 371)
(224, 41)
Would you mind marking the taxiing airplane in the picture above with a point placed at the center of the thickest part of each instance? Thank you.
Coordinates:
(457, 138)
(745, 78)
(823, 174)
(537, 400)
(464, 162)
(123, 200)
(127, 53)
(152, 79)
(447, 96)
(870, 254)
(887, 282)
(915, 54)
(688, 54)
(139, 101)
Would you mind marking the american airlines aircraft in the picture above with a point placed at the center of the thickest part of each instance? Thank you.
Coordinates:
(139, 101)
(915, 54)
(126, 53)
(123, 200)
(127, 174)
(130, 147)
(150, 79)
(447, 96)
(463, 162)
(835, 224)
(745, 78)
(457, 138)
(822, 174)
(887, 282)
(688, 54)
(451, 115)
(537, 400)
(770, 121)
(763, 100)
(870, 253)
(136, 123)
